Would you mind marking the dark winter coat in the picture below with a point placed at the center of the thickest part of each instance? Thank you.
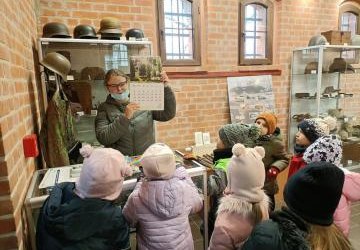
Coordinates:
(131, 137)
(275, 156)
(284, 231)
(67, 222)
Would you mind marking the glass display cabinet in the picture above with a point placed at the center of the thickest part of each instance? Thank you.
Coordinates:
(90, 59)
(325, 82)
(37, 194)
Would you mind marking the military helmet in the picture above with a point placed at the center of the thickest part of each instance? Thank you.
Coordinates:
(138, 34)
(340, 65)
(55, 30)
(57, 63)
(317, 40)
(84, 31)
(110, 25)
(312, 67)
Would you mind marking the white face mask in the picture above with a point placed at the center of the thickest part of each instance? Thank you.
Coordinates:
(123, 97)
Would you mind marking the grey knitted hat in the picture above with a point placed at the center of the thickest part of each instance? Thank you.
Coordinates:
(230, 134)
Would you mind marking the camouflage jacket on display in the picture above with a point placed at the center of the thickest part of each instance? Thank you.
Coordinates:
(130, 137)
(57, 135)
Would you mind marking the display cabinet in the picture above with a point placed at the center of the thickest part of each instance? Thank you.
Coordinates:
(36, 195)
(325, 82)
(90, 59)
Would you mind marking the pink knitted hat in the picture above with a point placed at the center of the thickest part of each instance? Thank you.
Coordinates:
(246, 174)
(102, 173)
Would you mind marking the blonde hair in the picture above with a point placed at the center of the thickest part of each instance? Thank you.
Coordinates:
(327, 238)
(257, 214)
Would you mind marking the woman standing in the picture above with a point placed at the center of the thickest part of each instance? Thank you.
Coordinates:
(120, 124)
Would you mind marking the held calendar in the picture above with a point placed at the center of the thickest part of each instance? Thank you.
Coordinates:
(149, 95)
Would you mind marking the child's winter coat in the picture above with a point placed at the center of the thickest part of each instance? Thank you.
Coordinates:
(159, 210)
(245, 180)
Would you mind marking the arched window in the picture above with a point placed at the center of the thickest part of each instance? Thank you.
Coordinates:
(179, 32)
(349, 17)
(349, 21)
(255, 38)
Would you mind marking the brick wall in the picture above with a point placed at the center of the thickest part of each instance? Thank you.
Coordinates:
(19, 114)
(202, 104)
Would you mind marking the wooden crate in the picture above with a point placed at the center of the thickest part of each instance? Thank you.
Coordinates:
(336, 37)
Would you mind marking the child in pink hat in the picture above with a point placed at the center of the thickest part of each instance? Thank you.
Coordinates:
(161, 203)
(244, 203)
(84, 215)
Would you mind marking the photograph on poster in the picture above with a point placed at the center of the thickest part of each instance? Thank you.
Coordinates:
(249, 96)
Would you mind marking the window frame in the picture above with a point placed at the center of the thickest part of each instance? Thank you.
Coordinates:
(269, 27)
(349, 7)
(196, 36)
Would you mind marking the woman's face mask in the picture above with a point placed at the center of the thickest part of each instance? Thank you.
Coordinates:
(123, 97)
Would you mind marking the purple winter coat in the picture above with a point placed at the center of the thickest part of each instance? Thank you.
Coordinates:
(159, 210)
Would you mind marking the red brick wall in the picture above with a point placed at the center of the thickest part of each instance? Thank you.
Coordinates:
(202, 104)
(19, 114)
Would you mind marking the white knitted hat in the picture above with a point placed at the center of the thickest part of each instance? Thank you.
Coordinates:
(246, 173)
(102, 173)
(158, 162)
(327, 148)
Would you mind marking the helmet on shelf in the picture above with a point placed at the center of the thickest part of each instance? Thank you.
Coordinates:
(138, 34)
(84, 31)
(57, 63)
(55, 30)
(110, 25)
(317, 40)
(340, 65)
(312, 67)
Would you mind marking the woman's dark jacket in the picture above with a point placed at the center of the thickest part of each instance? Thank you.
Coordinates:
(284, 231)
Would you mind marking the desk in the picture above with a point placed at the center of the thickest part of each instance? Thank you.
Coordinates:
(35, 197)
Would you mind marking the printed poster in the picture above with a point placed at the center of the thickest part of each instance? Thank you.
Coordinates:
(249, 96)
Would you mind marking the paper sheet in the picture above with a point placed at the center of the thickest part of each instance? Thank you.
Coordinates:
(149, 95)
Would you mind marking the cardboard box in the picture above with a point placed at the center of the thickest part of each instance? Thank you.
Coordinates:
(336, 37)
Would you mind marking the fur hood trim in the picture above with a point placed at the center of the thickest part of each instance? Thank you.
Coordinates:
(232, 204)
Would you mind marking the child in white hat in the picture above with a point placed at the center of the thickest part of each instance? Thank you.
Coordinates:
(161, 203)
(244, 203)
(83, 215)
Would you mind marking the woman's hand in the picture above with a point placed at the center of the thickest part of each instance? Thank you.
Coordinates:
(130, 109)
(164, 77)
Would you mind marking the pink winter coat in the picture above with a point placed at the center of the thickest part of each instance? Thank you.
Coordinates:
(232, 225)
(159, 210)
(350, 193)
